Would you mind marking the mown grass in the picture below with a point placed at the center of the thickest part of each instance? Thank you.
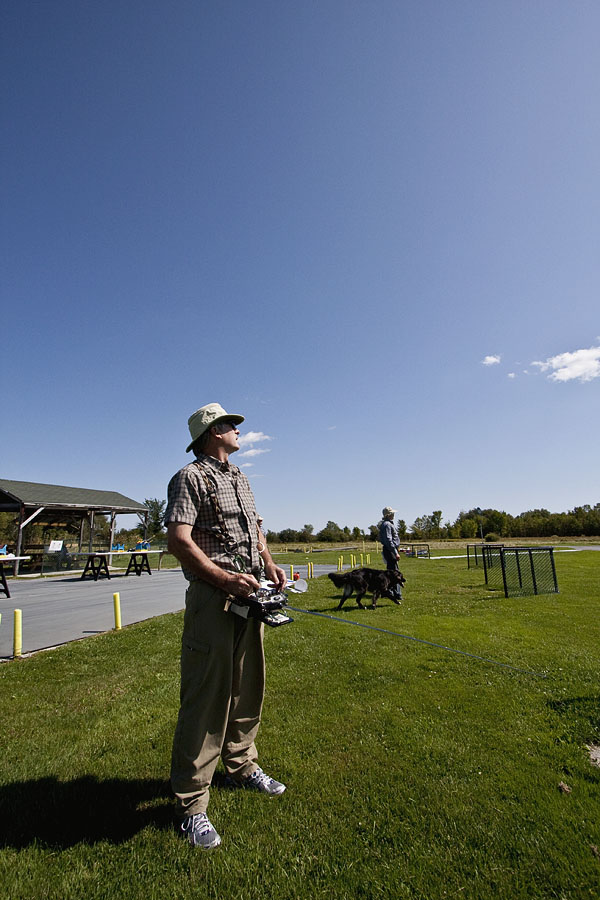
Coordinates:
(412, 772)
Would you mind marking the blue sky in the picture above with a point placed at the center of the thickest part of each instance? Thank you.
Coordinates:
(371, 228)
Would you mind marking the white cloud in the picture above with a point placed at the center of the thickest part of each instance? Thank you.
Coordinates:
(255, 451)
(246, 465)
(253, 437)
(583, 365)
(490, 360)
(511, 375)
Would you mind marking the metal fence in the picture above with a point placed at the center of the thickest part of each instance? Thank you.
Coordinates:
(475, 553)
(520, 571)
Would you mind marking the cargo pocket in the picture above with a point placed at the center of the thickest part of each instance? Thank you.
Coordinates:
(200, 647)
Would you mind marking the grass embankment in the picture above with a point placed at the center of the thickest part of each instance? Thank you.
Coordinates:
(412, 772)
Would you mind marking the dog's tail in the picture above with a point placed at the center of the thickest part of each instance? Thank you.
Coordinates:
(337, 578)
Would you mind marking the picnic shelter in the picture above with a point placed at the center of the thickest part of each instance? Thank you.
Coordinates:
(55, 504)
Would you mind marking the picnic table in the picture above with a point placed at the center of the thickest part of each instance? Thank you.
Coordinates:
(7, 558)
(97, 563)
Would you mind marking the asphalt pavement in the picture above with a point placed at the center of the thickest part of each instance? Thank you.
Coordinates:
(58, 610)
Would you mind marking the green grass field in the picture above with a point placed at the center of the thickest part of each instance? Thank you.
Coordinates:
(412, 772)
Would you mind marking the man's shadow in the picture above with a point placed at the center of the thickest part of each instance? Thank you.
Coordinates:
(86, 810)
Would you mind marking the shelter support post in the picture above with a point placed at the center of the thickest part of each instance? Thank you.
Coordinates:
(22, 524)
(81, 531)
(19, 546)
(111, 538)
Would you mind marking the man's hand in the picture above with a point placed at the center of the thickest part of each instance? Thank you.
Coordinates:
(276, 575)
(240, 584)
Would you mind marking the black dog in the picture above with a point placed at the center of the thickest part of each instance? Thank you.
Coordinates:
(380, 582)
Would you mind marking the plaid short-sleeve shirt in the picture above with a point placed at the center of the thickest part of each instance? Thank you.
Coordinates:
(189, 503)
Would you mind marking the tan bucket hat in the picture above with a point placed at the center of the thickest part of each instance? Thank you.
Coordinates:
(388, 511)
(206, 417)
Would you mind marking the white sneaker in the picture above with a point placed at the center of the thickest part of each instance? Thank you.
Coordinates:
(199, 832)
(259, 781)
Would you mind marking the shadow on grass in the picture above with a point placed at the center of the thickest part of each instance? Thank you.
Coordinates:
(580, 717)
(86, 810)
(585, 707)
(349, 605)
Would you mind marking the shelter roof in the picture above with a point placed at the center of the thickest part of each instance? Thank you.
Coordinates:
(14, 494)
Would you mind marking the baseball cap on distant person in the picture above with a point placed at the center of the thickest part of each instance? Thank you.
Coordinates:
(388, 511)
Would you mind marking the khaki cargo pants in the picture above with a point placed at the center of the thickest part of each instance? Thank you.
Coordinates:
(222, 690)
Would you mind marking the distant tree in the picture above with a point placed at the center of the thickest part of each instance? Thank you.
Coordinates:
(436, 522)
(332, 533)
(422, 527)
(156, 516)
(469, 528)
(129, 536)
(9, 526)
(306, 535)
(373, 532)
(401, 529)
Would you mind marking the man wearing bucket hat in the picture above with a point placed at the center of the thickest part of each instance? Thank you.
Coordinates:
(213, 531)
(390, 542)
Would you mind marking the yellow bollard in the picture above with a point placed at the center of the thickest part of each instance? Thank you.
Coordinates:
(117, 607)
(361, 560)
(18, 633)
(291, 573)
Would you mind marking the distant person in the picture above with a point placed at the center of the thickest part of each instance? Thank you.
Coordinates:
(390, 542)
(213, 530)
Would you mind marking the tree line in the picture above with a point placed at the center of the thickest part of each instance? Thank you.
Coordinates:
(493, 523)
(476, 523)
(490, 524)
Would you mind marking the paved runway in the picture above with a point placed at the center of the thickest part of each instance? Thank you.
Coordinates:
(57, 610)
